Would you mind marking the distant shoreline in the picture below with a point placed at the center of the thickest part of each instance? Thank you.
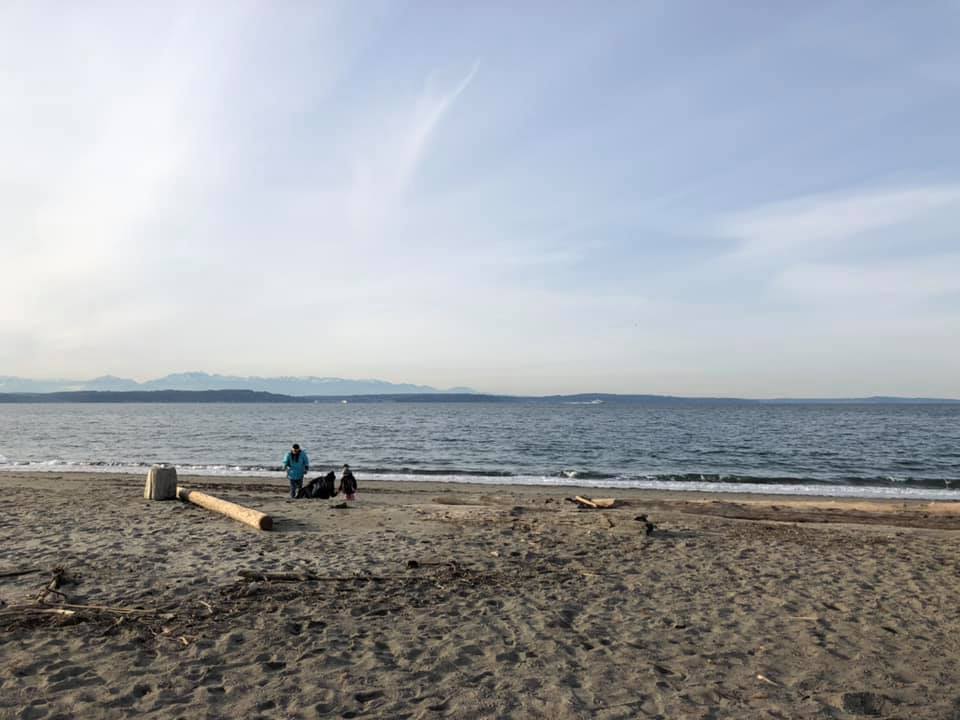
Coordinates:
(260, 397)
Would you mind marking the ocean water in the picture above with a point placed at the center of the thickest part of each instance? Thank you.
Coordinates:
(849, 450)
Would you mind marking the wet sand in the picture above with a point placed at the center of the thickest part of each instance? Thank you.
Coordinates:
(426, 600)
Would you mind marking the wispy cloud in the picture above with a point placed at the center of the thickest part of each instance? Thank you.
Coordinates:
(812, 224)
(389, 152)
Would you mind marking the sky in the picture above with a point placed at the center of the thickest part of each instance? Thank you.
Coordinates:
(693, 198)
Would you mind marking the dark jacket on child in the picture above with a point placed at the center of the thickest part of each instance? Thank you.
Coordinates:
(348, 483)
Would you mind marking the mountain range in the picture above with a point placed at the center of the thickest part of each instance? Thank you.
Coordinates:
(296, 386)
(205, 387)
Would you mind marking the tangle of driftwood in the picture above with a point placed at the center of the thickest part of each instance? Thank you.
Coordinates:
(41, 604)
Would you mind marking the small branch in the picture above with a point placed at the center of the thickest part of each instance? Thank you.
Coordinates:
(51, 587)
(17, 573)
(119, 610)
(252, 575)
(34, 609)
(628, 703)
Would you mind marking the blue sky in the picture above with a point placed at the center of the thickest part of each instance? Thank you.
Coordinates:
(689, 198)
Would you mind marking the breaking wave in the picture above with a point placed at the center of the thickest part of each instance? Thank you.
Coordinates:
(840, 486)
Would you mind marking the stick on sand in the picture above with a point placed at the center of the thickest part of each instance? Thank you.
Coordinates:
(257, 519)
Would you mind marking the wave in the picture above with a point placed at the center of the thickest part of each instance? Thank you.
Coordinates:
(431, 472)
(849, 485)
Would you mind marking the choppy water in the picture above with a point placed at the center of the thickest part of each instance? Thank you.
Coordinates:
(861, 450)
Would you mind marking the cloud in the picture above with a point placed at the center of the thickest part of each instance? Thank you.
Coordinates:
(815, 224)
(386, 156)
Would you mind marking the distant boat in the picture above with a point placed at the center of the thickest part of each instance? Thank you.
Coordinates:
(343, 402)
(584, 402)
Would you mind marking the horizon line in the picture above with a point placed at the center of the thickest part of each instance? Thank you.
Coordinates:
(478, 395)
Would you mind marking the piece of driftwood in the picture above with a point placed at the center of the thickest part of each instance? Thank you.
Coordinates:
(35, 610)
(117, 610)
(17, 573)
(72, 609)
(161, 483)
(255, 518)
(592, 503)
(256, 576)
(413, 564)
(52, 587)
(276, 577)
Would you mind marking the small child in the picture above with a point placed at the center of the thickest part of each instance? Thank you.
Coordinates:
(348, 484)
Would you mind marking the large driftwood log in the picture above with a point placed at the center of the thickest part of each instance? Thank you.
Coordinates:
(257, 519)
(161, 483)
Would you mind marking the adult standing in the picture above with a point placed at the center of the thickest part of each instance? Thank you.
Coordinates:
(297, 465)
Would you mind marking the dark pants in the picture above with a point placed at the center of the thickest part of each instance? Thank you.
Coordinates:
(295, 486)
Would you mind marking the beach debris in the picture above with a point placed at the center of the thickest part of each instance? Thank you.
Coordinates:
(18, 573)
(625, 703)
(255, 575)
(592, 503)
(604, 502)
(246, 515)
(435, 563)
(649, 527)
(51, 602)
(768, 681)
(118, 610)
(289, 577)
(52, 587)
(161, 483)
(35, 610)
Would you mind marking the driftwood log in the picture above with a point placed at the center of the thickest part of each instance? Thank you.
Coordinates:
(592, 503)
(255, 518)
(161, 483)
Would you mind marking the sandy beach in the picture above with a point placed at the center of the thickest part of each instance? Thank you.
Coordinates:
(426, 600)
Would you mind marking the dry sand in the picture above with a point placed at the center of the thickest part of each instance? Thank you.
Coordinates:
(521, 606)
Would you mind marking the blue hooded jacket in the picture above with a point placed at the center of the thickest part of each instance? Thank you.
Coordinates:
(296, 467)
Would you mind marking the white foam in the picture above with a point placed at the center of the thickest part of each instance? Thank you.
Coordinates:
(817, 490)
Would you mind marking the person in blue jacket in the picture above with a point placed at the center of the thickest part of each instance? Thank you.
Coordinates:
(297, 465)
